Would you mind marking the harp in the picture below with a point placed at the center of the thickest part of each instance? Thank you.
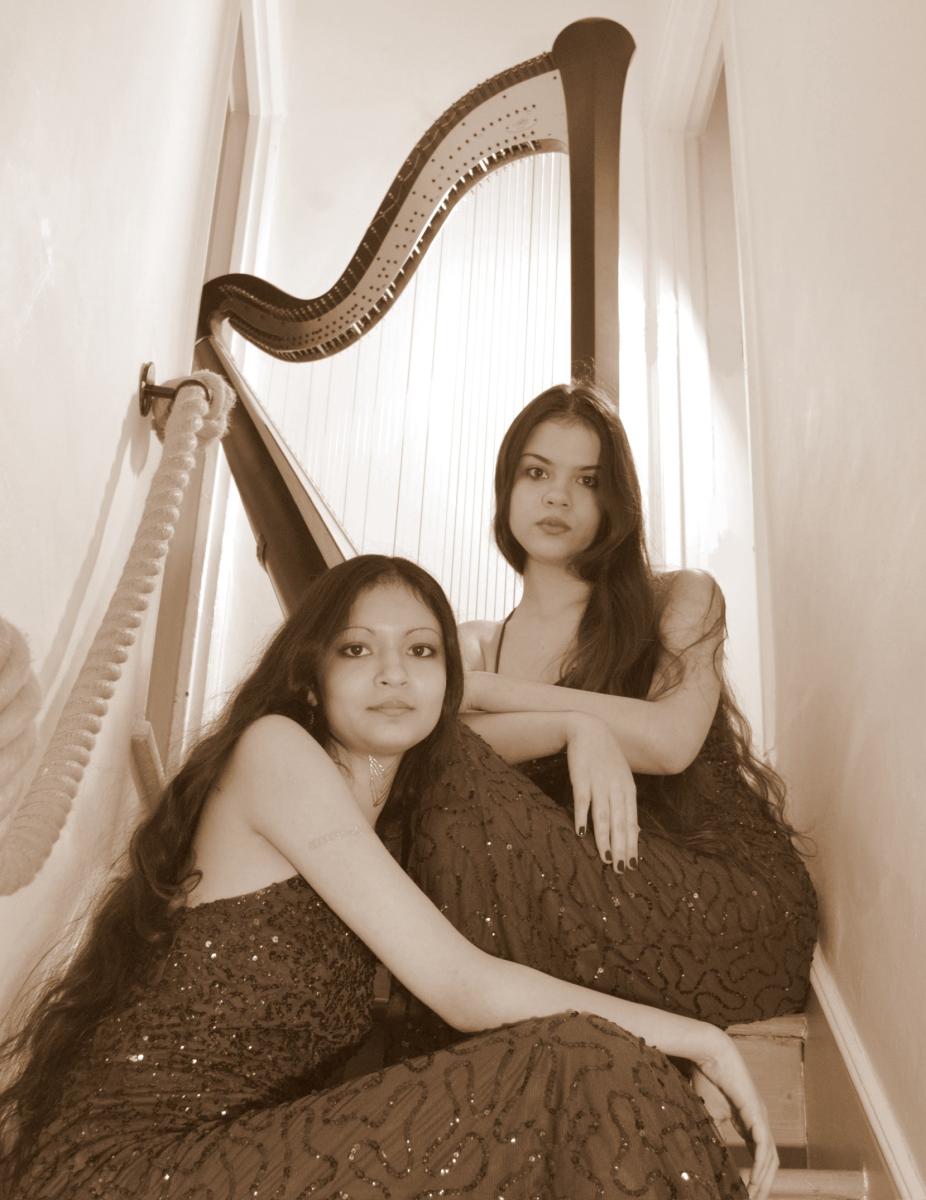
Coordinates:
(567, 101)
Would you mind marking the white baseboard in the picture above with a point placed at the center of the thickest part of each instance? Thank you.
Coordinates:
(890, 1137)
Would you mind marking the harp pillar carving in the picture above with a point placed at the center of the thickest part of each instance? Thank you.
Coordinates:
(593, 57)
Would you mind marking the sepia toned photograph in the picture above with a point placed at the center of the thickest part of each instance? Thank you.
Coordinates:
(463, 536)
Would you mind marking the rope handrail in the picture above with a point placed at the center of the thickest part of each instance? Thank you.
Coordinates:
(34, 817)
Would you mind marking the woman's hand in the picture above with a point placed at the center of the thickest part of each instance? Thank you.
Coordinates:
(723, 1065)
(603, 784)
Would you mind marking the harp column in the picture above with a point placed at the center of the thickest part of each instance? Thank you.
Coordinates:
(592, 57)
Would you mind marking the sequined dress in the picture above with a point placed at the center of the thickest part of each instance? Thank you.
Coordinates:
(722, 938)
(214, 1084)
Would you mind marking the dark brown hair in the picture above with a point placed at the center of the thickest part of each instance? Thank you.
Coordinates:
(133, 923)
(618, 648)
(617, 642)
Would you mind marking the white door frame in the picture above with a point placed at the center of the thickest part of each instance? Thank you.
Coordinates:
(698, 44)
(243, 195)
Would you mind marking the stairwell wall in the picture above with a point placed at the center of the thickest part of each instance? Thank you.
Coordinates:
(827, 132)
(111, 124)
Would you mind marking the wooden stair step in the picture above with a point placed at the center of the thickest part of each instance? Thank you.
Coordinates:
(822, 1185)
(774, 1053)
(791, 1027)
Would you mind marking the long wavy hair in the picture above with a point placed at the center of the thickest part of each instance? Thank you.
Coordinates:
(618, 647)
(133, 924)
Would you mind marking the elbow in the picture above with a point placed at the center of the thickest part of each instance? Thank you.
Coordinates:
(676, 764)
(466, 1009)
(468, 1021)
(472, 1001)
(673, 744)
(674, 757)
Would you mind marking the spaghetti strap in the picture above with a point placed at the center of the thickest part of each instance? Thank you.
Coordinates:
(501, 638)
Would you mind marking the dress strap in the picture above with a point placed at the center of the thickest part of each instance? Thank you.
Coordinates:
(501, 638)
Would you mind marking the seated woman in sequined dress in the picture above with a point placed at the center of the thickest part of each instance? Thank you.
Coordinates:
(684, 888)
(189, 1049)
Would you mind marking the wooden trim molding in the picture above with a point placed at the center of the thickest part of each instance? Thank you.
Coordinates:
(850, 1120)
(146, 763)
(752, 319)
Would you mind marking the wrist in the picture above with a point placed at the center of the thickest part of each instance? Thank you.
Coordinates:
(574, 723)
(718, 1047)
(584, 722)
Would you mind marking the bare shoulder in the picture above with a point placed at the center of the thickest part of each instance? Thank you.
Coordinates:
(690, 587)
(276, 756)
(476, 641)
(272, 734)
(692, 603)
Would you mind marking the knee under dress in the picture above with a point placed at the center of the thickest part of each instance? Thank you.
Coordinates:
(724, 937)
(212, 1084)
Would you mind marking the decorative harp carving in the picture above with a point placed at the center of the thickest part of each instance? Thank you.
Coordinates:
(567, 101)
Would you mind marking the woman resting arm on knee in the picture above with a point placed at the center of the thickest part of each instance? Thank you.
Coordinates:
(189, 1047)
(716, 914)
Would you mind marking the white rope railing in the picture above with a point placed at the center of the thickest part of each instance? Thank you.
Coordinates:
(20, 700)
(34, 817)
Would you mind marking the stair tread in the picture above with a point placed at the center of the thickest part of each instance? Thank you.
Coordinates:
(822, 1185)
(776, 1027)
(776, 1067)
(774, 1054)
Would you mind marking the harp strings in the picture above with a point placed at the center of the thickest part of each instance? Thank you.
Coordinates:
(398, 432)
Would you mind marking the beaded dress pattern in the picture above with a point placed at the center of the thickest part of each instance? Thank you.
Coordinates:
(214, 1084)
(722, 937)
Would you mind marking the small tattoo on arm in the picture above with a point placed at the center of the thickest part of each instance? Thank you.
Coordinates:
(334, 836)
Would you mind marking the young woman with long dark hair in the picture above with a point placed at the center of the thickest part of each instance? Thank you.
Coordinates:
(189, 1049)
(686, 890)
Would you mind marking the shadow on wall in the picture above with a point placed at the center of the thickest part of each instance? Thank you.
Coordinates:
(134, 438)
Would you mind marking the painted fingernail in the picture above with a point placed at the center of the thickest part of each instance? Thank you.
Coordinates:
(581, 831)
(620, 866)
(633, 864)
(607, 856)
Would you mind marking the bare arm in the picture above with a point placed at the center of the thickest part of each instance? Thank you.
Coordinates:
(658, 737)
(514, 735)
(290, 793)
(475, 639)
(284, 787)
(604, 792)
(519, 736)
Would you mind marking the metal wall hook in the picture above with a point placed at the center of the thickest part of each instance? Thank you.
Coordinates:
(148, 390)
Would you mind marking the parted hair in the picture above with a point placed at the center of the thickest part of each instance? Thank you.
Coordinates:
(133, 923)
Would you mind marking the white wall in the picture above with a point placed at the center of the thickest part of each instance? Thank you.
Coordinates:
(716, 517)
(828, 126)
(110, 122)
